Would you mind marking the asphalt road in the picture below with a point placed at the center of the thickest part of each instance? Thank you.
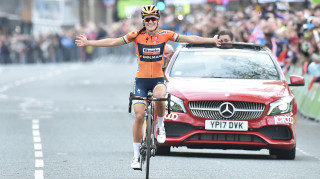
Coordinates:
(71, 121)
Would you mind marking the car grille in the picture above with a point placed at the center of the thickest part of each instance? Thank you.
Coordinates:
(177, 129)
(240, 110)
(226, 137)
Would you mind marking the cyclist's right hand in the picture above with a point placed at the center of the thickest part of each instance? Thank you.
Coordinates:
(81, 41)
(217, 41)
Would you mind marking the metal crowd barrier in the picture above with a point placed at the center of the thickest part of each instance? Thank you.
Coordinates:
(307, 97)
(118, 54)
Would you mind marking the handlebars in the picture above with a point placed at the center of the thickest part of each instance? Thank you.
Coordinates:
(149, 98)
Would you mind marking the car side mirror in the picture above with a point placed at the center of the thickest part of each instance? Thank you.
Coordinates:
(296, 80)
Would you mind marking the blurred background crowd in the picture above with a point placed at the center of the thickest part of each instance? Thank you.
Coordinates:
(289, 28)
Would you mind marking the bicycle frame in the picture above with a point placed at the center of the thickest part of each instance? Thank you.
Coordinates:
(148, 144)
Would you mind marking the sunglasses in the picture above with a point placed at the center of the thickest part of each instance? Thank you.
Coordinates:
(148, 19)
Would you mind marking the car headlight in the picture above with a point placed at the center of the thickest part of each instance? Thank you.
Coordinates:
(281, 106)
(176, 104)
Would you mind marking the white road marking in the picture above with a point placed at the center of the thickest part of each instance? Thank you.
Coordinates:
(38, 154)
(39, 163)
(61, 153)
(17, 83)
(36, 133)
(35, 121)
(39, 116)
(35, 126)
(37, 147)
(38, 174)
(86, 82)
(37, 78)
(2, 96)
(308, 154)
(3, 89)
(26, 114)
(36, 139)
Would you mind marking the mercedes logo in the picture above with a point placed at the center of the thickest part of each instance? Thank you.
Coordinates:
(226, 110)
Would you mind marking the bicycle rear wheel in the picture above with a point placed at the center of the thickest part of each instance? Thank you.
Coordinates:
(148, 142)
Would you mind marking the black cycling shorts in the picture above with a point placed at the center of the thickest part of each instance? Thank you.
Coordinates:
(143, 85)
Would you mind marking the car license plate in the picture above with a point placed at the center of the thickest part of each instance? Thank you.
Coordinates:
(226, 125)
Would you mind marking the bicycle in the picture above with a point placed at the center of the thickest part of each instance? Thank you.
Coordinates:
(148, 145)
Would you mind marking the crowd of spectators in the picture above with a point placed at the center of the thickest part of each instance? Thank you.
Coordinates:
(22, 48)
(291, 33)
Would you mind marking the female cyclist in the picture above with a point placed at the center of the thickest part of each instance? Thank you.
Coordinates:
(150, 43)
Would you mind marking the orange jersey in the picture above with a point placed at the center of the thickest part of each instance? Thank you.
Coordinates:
(150, 50)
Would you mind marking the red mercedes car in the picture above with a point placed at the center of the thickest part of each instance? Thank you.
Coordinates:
(230, 98)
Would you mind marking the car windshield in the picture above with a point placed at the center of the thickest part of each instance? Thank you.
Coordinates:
(224, 63)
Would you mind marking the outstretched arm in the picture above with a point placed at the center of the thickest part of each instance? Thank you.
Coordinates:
(199, 40)
(108, 42)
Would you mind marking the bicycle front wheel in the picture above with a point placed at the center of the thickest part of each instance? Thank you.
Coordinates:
(149, 142)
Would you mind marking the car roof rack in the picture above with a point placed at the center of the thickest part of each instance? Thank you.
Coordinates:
(235, 45)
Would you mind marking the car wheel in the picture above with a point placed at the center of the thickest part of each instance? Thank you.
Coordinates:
(284, 154)
(163, 150)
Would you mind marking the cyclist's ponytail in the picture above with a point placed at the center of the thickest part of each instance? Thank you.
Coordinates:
(140, 31)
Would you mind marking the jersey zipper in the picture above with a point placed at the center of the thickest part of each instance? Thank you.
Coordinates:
(151, 60)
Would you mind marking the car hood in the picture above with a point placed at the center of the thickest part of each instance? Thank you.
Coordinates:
(260, 91)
